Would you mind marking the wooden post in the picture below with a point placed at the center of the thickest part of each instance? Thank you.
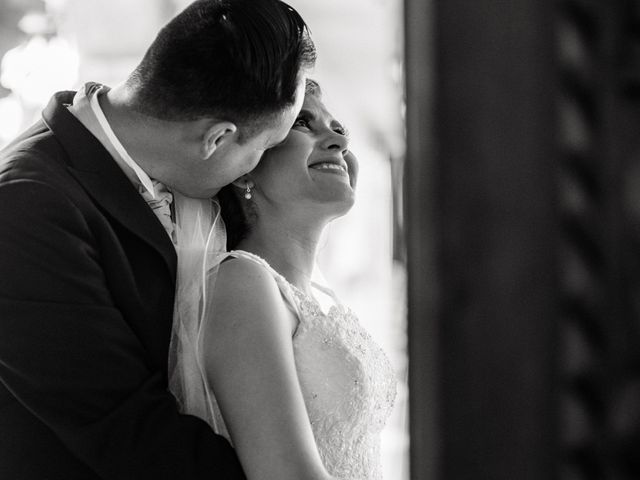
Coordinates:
(482, 238)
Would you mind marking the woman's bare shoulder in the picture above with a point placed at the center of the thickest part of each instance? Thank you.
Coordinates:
(247, 292)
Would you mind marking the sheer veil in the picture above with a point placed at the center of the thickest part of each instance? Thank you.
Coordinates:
(201, 245)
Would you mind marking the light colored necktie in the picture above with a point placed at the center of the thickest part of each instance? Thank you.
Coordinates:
(161, 205)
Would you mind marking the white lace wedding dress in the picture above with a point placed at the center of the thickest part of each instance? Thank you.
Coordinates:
(347, 382)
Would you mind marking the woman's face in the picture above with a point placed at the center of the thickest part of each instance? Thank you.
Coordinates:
(313, 166)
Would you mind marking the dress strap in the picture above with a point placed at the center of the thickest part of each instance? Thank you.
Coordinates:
(327, 291)
(286, 289)
(254, 258)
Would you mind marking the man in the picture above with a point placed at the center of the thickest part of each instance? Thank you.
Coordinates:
(87, 263)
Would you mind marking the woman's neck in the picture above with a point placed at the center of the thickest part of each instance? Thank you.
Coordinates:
(289, 249)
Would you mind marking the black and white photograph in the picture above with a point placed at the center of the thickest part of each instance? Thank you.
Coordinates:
(319, 240)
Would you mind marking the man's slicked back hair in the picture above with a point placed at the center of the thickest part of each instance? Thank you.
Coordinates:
(235, 60)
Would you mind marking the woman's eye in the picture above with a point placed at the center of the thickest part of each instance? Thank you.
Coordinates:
(301, 122)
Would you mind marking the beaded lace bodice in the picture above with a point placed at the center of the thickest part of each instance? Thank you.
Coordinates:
(346, 379)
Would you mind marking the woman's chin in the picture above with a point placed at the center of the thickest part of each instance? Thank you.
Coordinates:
(341, 207)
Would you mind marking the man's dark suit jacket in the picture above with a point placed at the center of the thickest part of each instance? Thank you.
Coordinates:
(87, 277)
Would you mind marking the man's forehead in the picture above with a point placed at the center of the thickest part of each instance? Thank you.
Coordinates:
(284, 120)
(288, 116)
(280, 128)
(278, 137)
(300, 90)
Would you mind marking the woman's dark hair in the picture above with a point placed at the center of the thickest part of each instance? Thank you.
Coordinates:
(236, 60)
(238, 218)
(237, 213)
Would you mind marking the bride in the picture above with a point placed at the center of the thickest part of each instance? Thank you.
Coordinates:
(271, 359)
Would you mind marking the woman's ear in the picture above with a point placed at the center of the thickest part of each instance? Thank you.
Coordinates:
(244, 181)
(216, 135)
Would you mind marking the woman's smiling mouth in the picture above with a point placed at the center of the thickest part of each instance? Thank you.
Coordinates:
(331, 167)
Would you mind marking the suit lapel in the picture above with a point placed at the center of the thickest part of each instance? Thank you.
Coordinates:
(103, 179)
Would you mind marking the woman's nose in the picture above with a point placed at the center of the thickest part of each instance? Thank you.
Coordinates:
(336, 141)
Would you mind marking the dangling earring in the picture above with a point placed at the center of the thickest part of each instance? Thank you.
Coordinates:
(247, 193)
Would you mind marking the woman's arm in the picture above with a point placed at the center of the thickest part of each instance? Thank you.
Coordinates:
(249, 363)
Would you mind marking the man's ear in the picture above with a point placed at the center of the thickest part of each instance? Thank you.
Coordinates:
(216, 135)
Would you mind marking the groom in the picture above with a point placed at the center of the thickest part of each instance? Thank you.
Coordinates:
(87, 263)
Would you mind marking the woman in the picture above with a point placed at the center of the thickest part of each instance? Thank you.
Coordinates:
(302, 392)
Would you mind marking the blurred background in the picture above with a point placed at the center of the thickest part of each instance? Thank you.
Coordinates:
(52, 45)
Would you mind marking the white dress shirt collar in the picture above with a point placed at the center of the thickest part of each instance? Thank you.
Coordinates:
(86, 108)
(117, 145)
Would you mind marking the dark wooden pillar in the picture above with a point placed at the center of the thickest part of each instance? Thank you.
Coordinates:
(600, 258)
(482, 229)
(523, 221)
